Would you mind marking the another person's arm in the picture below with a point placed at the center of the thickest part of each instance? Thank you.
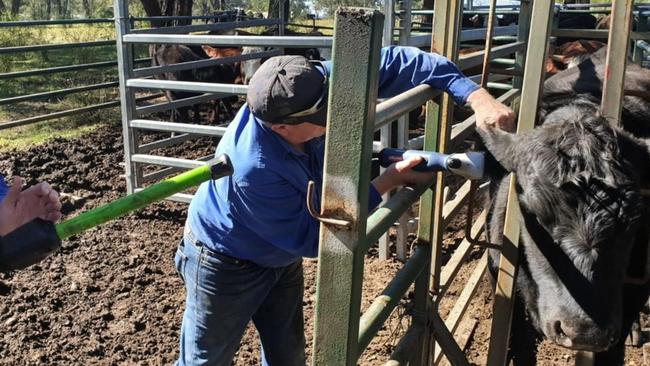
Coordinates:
(18, 207)
(400, 174)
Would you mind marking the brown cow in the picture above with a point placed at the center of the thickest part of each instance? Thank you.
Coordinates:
(173, 54)
(570, 54)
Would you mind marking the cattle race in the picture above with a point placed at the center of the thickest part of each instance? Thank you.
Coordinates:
(328, 183)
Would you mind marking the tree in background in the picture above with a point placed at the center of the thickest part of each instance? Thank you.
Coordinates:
(155, 8)
(274, 9)
(330, 6)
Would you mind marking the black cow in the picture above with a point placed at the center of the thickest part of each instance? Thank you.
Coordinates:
(249, 67)
(173, 54)
(580, 182)
(574, 21)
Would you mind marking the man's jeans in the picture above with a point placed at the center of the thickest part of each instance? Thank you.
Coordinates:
(224, 294)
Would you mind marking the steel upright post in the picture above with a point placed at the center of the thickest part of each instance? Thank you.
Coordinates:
(386, 132)
(127, 95)
(446, 29)
(508, 263)
(353, 93)
(617, 53)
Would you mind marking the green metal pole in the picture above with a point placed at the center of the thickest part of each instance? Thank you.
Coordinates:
(353, 94)
(215, 169)
(375, 316)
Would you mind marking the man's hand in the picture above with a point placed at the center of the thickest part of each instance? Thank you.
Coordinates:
(490, 112)
(399, 174)
(20, 207)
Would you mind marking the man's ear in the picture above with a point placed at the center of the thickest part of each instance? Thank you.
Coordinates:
(279, 128)
(502, 145)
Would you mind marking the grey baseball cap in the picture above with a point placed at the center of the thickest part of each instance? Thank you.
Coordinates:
(288, 90)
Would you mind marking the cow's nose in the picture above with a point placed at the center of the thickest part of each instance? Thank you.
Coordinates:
(582, 334)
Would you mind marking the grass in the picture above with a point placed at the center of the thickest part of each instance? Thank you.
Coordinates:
(20, 138)
(72, 126)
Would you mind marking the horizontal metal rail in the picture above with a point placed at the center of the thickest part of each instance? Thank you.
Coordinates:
(166, 161)
(178, 103)
(53, 70)
(188, 86)
(272, 41)
(164, 172)
(55, 93)
(309, 26)
(148, 71)
(374, 317)
(166, 142)
(178, 127)
(599, 5)
(184, 17)
(504, 61)
(384, 217)
(565, 11)
(45, 117)
(390, 109)
(423, 40)
(207, 27)
(31, 23)
(43, 47)
(476, 58)
(594, 33)
(465, 12)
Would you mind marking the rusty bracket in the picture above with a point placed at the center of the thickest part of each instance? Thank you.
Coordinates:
(318, 216)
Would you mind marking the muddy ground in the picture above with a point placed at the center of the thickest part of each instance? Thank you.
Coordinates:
(111, 295)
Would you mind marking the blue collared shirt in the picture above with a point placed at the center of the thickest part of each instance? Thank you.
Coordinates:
(3, 188)
(259, 213)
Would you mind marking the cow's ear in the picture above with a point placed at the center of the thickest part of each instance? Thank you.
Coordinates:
(211, 51)
(502, 145)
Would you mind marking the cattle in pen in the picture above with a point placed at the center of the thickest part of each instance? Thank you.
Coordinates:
(582, 187)
(224, 73)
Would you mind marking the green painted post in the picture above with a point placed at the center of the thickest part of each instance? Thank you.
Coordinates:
(353, 92)
(421, 301)
(446, 30)
(520, 57)
(617, 51)
(508, 264)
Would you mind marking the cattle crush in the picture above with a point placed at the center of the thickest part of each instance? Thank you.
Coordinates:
(341, 331)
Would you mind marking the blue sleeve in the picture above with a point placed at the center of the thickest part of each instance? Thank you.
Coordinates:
(403, 68)
(3, 188)
(374, 198)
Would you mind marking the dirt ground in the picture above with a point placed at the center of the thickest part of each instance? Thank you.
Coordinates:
(111, 295)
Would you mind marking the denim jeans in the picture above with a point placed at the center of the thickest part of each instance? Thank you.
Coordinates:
(223, 294)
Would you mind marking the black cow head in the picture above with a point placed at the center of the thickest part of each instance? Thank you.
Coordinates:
(579, 187)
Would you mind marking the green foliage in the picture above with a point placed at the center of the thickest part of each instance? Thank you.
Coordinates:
(329, 6)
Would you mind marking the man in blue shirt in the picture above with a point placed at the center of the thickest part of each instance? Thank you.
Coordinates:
(245, 235)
